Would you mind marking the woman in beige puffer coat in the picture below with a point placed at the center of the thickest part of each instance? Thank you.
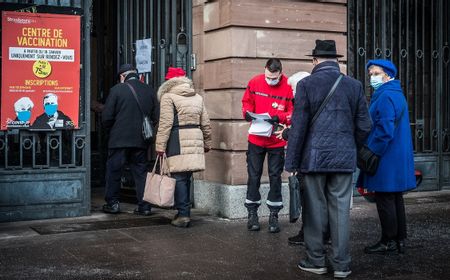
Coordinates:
(184, 134)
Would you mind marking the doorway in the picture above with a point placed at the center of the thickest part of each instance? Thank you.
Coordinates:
(116, 25)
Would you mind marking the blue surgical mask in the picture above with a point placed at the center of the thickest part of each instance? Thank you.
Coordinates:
(272, 82)
(24, 116)
(376, 81)
(50, 109)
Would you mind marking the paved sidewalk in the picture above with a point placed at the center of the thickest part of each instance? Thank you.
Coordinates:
(129, 247)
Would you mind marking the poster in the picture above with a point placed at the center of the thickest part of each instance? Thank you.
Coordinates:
(40, 71)
(144, 55)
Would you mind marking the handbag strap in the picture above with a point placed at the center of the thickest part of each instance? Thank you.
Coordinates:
(164, 166)
(135, 97)
(325, 101)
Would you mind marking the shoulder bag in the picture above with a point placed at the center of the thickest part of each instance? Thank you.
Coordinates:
(147, 130)
(160, 188)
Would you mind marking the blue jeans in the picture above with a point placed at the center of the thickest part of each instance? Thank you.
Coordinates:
(182, 193)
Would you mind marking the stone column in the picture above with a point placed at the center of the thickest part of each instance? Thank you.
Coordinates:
(232, 40)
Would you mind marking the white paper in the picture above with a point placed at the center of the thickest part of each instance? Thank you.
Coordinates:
(259, 126)
(144, 55)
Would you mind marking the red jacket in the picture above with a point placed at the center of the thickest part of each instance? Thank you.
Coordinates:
(277, 100)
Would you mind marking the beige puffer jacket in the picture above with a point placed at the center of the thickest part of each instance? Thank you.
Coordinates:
(184, 130)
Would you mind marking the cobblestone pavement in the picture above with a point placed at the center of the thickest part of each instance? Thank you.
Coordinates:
(125, 246)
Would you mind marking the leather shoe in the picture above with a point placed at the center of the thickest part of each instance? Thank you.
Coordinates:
(382, 248)
(111, 208)
(142, 212)
(297, 239)
(181, 221)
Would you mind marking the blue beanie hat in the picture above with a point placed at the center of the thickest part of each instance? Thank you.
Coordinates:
(388, 67)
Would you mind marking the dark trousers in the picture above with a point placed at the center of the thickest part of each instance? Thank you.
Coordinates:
(137, 160)
(182, 193)
(391, 211)
(255, 161)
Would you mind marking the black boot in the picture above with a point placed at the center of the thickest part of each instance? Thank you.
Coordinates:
(253, 223)
(111, 208)
(298, 239)
(273, 222)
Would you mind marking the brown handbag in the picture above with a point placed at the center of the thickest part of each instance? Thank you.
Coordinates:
(160, 188)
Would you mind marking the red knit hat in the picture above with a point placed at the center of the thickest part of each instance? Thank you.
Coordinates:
(173, 72)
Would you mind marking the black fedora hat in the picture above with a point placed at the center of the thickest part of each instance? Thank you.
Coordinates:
(325, 48)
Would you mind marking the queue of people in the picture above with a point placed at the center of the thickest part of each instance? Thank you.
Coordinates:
(322, 118)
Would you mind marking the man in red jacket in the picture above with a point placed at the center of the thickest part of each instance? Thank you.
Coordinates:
(266, 93)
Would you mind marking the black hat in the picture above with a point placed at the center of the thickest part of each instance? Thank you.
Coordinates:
(124, 68)
(325, 48)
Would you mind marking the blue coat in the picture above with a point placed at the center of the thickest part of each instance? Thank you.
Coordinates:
(330, 144)
(393, 144)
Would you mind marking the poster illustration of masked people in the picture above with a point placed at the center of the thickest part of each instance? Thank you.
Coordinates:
(40, 71)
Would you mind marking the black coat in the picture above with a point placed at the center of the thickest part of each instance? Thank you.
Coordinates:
(123, 118)
(330, 144)
(62, 122)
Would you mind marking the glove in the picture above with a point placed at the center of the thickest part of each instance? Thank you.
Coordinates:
(248, 117)
(159, 153)
(273, 120)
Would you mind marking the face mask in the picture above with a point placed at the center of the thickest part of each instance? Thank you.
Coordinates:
(24, 116)
(272, 82)
(50, 109)
(376, 81)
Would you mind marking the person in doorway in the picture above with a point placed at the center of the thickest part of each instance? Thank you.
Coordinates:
(52, 118)
(390, 139)
(266, 93)
(123, 118)
(184, 135)
(324, 151)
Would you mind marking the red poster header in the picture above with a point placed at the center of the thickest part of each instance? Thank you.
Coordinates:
(40, 71)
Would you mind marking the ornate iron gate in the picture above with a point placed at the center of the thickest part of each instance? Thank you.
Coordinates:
(415, 35)
(45, 174)
(167, 23)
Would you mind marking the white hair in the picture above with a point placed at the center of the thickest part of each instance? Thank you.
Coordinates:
(297, 77)
(23, 104)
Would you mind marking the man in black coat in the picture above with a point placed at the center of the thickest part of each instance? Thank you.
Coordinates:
(123, 118)
(325, 152)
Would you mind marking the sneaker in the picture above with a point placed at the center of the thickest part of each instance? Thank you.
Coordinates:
(298, 239)
(111, 208)
(181, 221)
(342, 274)
(305, 265)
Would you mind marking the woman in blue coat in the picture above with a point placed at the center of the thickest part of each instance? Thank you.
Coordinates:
(391, 140)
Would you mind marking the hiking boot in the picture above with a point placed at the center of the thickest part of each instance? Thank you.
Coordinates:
(181, 221)
(253, 223)
(273, 222)
(111, 208)
(298, 239)
(342, 273)
(305, 265)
